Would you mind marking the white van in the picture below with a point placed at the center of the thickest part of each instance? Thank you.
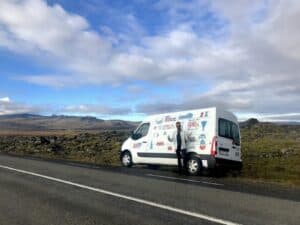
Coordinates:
(213, 140)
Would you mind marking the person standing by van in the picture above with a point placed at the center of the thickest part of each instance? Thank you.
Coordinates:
(179, 138)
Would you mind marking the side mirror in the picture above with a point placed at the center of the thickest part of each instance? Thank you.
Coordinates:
(136, 136)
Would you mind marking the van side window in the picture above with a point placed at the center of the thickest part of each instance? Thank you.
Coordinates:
(235, 133)
(229, 130)
(224, 128)
(142, 131)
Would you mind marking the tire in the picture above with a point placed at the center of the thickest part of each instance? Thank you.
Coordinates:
(126, 159)
(193, 165)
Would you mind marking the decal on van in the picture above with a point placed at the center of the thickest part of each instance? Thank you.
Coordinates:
(204, 114)
(186, 116)
(137, 145)
(203, 124)
(170, 119)
(160, 143)
(202, 141)
(192, 124)
(159, 121)
(202, 144)
(202, 136)
(168, 126)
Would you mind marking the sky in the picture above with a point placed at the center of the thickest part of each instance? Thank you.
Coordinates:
(129, 59)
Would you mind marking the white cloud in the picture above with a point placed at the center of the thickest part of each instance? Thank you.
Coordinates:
(254, 67)
(52, 34)
(5, 99)
(95, 109)
(10, 107)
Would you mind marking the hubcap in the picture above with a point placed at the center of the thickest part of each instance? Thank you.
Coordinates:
(193, 165)
(126, 159)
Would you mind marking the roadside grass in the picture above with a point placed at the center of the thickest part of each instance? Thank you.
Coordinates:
(271, 153)
(281, 170)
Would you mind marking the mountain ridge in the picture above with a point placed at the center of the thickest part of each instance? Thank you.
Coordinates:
(35, 122)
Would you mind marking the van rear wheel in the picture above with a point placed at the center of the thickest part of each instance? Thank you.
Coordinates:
(193, 165)
(127, 159)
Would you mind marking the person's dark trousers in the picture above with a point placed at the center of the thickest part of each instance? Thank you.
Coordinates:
(183, 156)
(179, 156)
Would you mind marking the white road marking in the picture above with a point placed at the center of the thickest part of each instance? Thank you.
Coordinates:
(142, 201)
(195, 181)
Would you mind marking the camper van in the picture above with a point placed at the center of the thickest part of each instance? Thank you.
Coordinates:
(213, 140)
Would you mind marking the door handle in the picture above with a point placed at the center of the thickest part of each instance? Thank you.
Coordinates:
(144, 141)
(233, 146)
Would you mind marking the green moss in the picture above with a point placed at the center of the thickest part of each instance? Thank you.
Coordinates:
(271, 153)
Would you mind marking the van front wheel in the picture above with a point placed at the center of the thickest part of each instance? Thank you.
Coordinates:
(193, 165)
(127, 159)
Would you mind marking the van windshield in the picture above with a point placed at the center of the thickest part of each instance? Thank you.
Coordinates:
(141, 131)
(230, 130)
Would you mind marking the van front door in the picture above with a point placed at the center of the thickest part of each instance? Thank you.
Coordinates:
(140, 140)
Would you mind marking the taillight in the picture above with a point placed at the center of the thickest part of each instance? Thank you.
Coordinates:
(214, 145)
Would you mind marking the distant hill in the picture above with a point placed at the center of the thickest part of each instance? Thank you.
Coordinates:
(255, 122)
(31, 122)
(249, 123)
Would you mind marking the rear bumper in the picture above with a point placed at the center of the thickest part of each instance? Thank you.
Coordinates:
(238, 165)
(213, 162)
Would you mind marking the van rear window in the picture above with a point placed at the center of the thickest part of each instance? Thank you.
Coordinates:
(229, 130)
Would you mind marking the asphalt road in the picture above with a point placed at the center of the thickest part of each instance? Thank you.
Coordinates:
(44, 192)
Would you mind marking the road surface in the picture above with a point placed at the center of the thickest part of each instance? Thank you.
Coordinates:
(43, 192)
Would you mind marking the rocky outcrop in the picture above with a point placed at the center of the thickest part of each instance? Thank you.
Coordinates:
(99, 147)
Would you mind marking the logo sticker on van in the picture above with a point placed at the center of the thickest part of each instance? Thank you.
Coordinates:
(192, 124)
(202, 141)
(186, 116)
(159, 121)
(170, 119)
(203, 124)
(168, 126)
(160, 143)
(204, 114)
(137, 145)
(202, 144)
